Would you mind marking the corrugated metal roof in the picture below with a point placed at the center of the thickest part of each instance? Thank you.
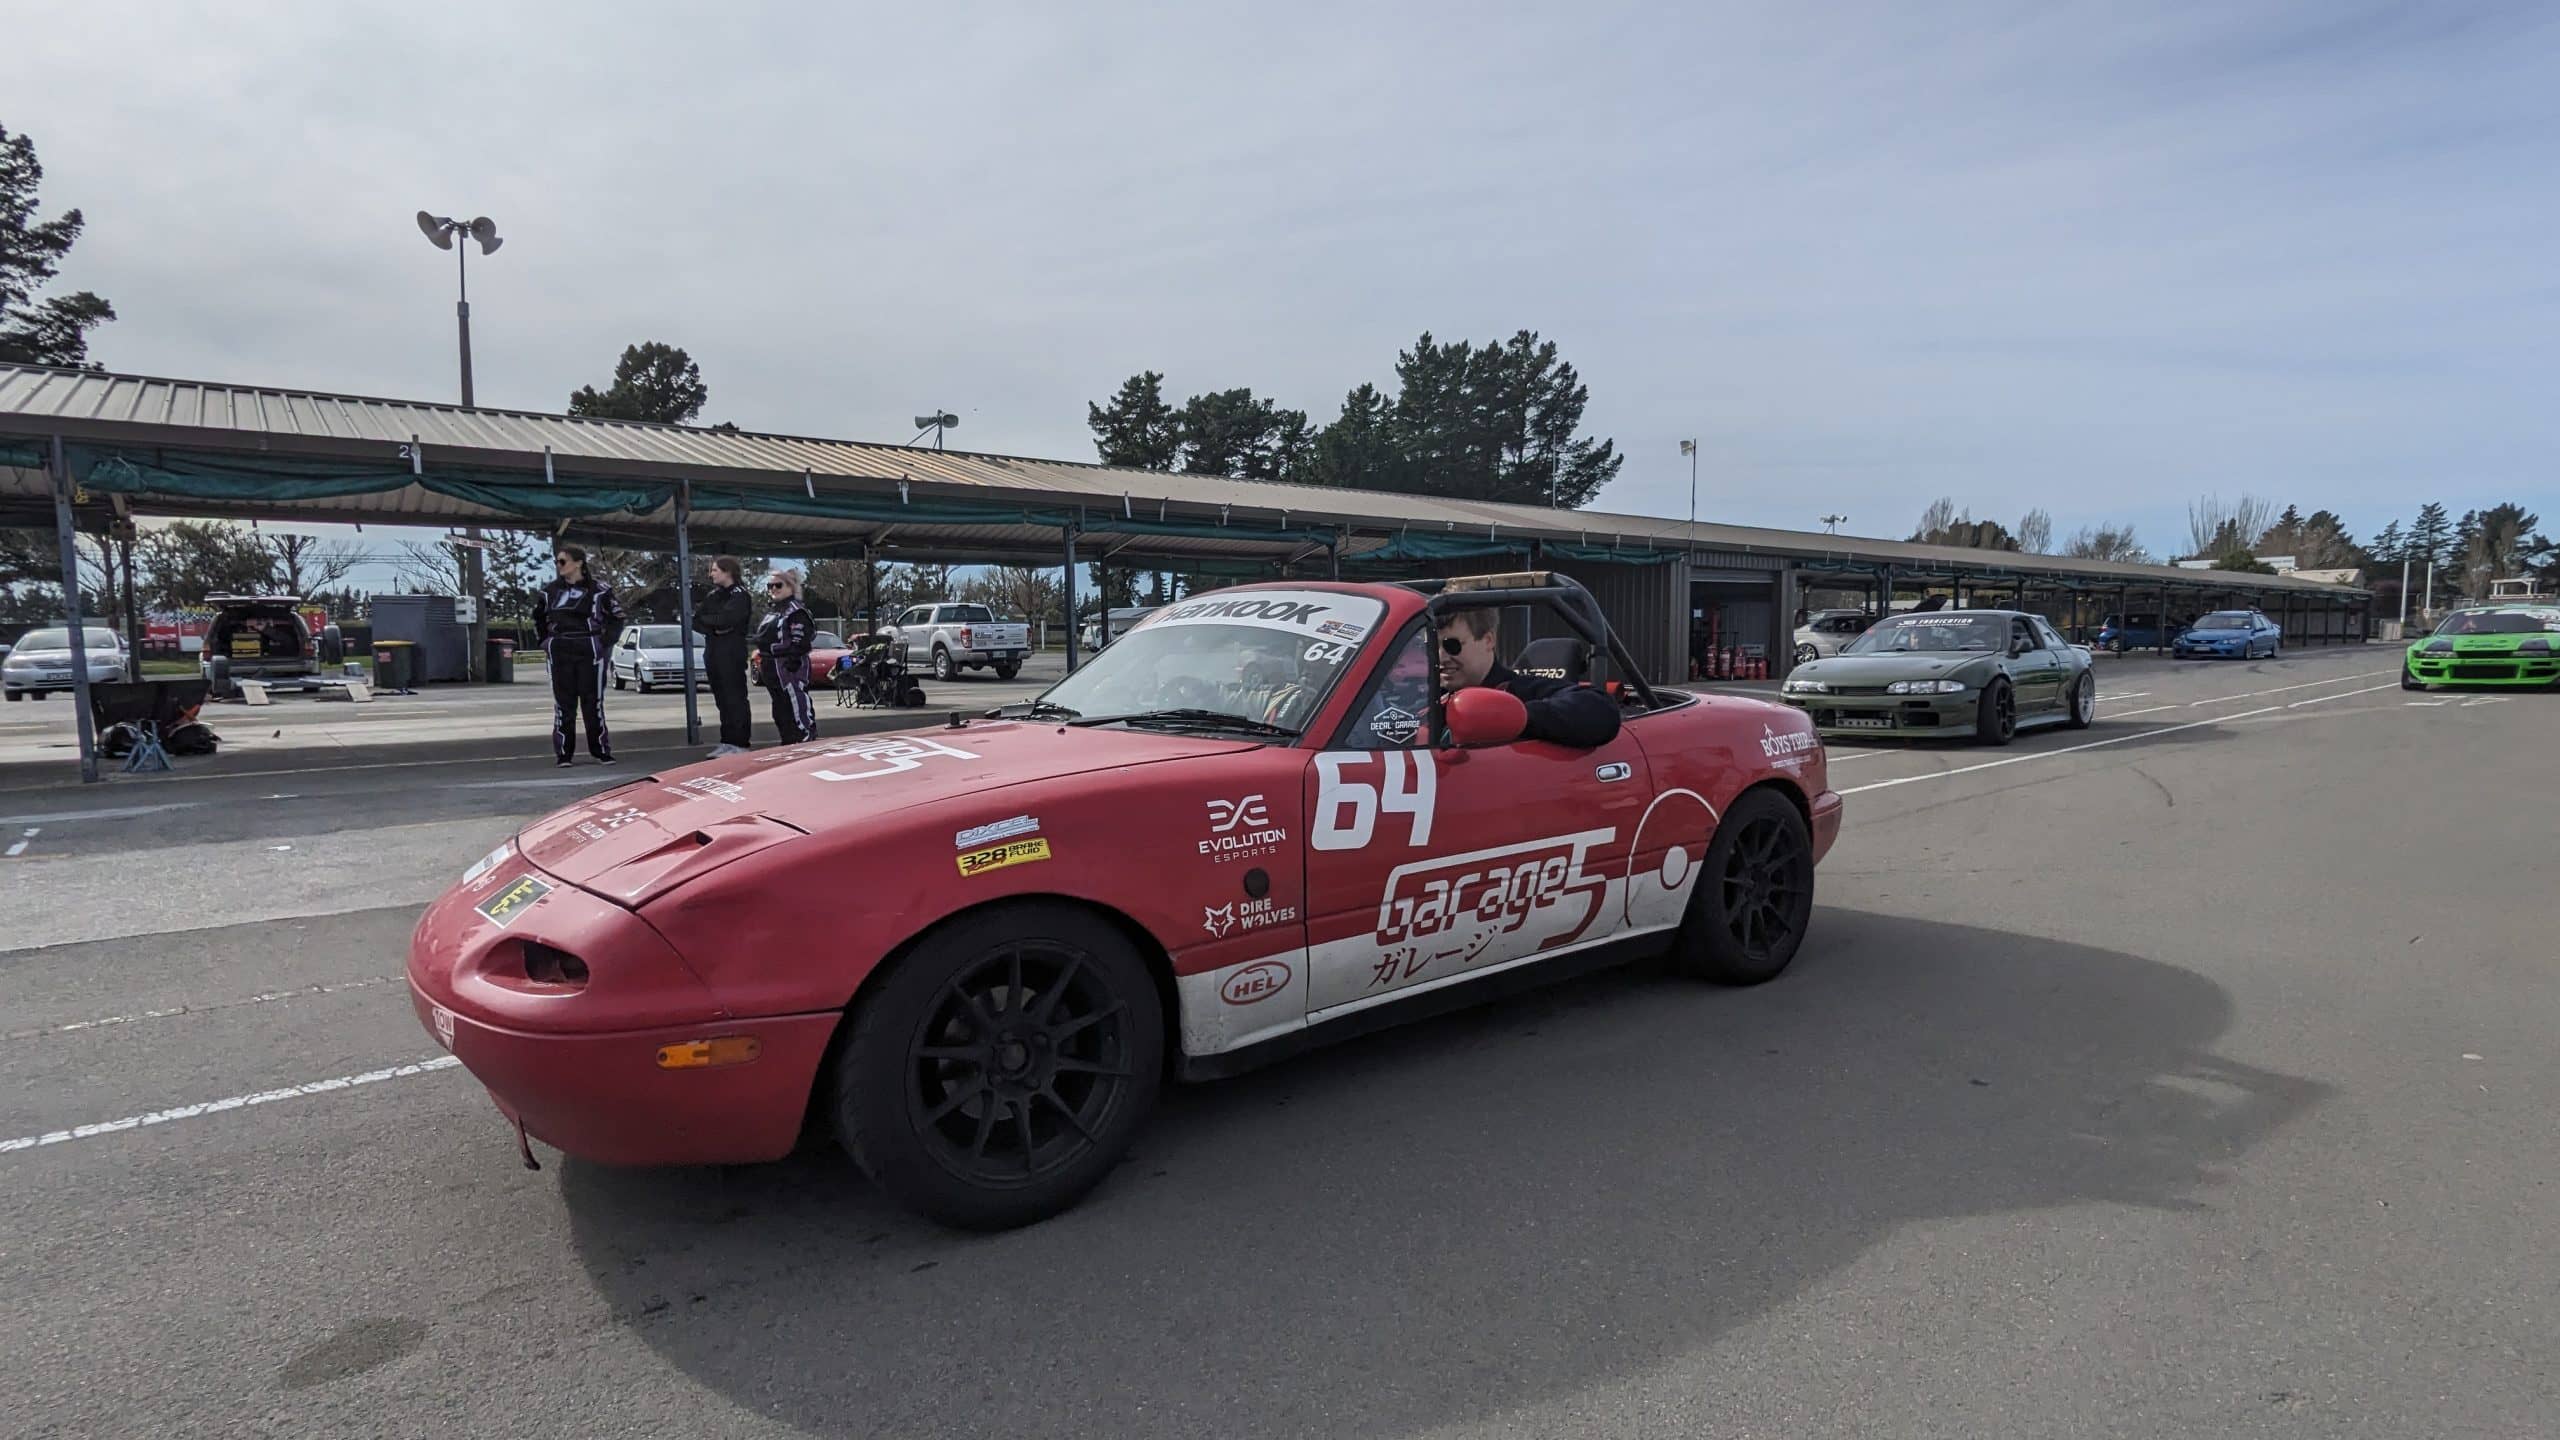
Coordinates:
(143, 409)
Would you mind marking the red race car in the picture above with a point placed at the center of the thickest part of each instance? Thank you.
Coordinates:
(1255, 823)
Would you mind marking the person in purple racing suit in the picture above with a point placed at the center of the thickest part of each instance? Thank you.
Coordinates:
(784, 641)
(576, 619)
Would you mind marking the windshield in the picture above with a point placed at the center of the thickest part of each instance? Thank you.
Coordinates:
(826, 640)
(1932, 634)
(59, 638)
(1263, 655)
(656, 637)
(2225, 620)
(2496, 622)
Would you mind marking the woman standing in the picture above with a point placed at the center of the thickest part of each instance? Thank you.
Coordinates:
(576, 620)
(723, 618)
(784, 639)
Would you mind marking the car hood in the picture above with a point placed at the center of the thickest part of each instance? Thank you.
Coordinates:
(1885, 669)
(638, 841)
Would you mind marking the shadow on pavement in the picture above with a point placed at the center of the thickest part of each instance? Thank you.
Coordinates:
(1449, 1221)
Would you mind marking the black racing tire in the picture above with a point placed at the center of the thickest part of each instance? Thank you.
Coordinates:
(1754, 897)
(1995, 715)
(2080, 705)
(999, 1070)
(16, 695)
(942, 667)
(2409, 681)
(1008, 670)
(1806, 654)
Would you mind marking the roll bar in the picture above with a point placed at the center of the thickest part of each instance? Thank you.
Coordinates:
(1561, 593)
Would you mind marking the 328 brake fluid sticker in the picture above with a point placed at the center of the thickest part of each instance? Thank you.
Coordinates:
(512, 900)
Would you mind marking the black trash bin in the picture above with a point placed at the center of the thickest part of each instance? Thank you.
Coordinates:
(502, 660)
(395, 666)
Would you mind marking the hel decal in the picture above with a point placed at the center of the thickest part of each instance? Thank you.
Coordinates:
(997, 857)
(512, 900)
(887, 755)
(1348, 806)
(994, 830)
(1255, 982)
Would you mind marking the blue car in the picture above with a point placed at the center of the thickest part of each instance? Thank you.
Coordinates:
(2120, 633)
(2230, 635)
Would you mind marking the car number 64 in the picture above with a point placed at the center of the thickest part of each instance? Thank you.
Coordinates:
(1348, 806)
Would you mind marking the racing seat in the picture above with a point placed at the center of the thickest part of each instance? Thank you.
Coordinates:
(1558, 657)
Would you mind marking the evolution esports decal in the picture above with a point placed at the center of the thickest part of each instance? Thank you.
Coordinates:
(1317, 615)
(886, 755)
(1241, 830)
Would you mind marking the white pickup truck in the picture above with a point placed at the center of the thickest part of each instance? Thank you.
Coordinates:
(951, 638)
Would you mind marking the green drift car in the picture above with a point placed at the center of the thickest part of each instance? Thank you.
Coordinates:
(2509, 646)
(1979, 673)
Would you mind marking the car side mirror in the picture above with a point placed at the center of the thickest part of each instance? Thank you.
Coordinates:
(1477, 717)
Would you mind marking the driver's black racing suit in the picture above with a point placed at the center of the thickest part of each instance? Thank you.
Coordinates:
(785, 638)
(576, 623)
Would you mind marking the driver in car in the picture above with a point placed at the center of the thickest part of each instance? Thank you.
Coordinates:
(1562, 712)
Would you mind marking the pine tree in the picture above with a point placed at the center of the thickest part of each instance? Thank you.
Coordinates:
(1137, 428)
(2431, 535)
(2389, 546)
(56, 331)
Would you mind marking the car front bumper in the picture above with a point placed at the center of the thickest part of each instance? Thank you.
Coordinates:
(603, 1097)
(1905, 716)
(2520, 671)
(2218, 650)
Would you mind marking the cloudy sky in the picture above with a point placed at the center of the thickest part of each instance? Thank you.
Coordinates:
(2095, 257)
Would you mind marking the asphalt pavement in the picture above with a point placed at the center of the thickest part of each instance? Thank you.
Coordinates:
(2185, 1076)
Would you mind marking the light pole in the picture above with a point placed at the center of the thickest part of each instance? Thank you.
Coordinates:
(440, 231)
(937, 422)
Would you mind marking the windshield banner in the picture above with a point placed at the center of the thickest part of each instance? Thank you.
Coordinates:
(1322, 615)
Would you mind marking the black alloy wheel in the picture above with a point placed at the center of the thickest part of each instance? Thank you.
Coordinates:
(1995, 720)
(1002, 1068)
(1754, 900)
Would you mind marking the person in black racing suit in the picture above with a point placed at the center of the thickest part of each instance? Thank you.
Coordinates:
(785, 639)
(1560, 711)
(576, 619)
(724, 617)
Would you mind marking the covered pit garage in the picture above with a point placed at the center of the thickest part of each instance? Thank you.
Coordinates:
(83, 452)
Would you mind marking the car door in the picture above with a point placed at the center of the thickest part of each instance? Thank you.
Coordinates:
(2035, 670)
(2063, 656)
(625, 657)
(1428, 868)
(2266, 630)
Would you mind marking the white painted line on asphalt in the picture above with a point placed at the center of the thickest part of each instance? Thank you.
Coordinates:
(2136, 695)
(2281, 689)
(65, 817)
(14, 851)
(232, 1102)
(2341, 695)
(2428, 704)
(2145, 710)
(2487, 700)
(2049, 754)
(269, 998)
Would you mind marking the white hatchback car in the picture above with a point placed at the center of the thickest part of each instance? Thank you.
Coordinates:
(649, 656)
(1825, 631)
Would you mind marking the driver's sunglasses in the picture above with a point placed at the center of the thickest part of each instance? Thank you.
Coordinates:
(1452, 645)
(775, 585)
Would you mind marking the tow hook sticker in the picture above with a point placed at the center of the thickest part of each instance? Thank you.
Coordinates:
(512, 900)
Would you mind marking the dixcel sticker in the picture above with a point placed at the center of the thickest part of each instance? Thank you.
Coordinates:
(997, 857)
(1459, 906)
(1241, 830)
(995, 830)
(887, 755)
(512, 899)
(1222, 920)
